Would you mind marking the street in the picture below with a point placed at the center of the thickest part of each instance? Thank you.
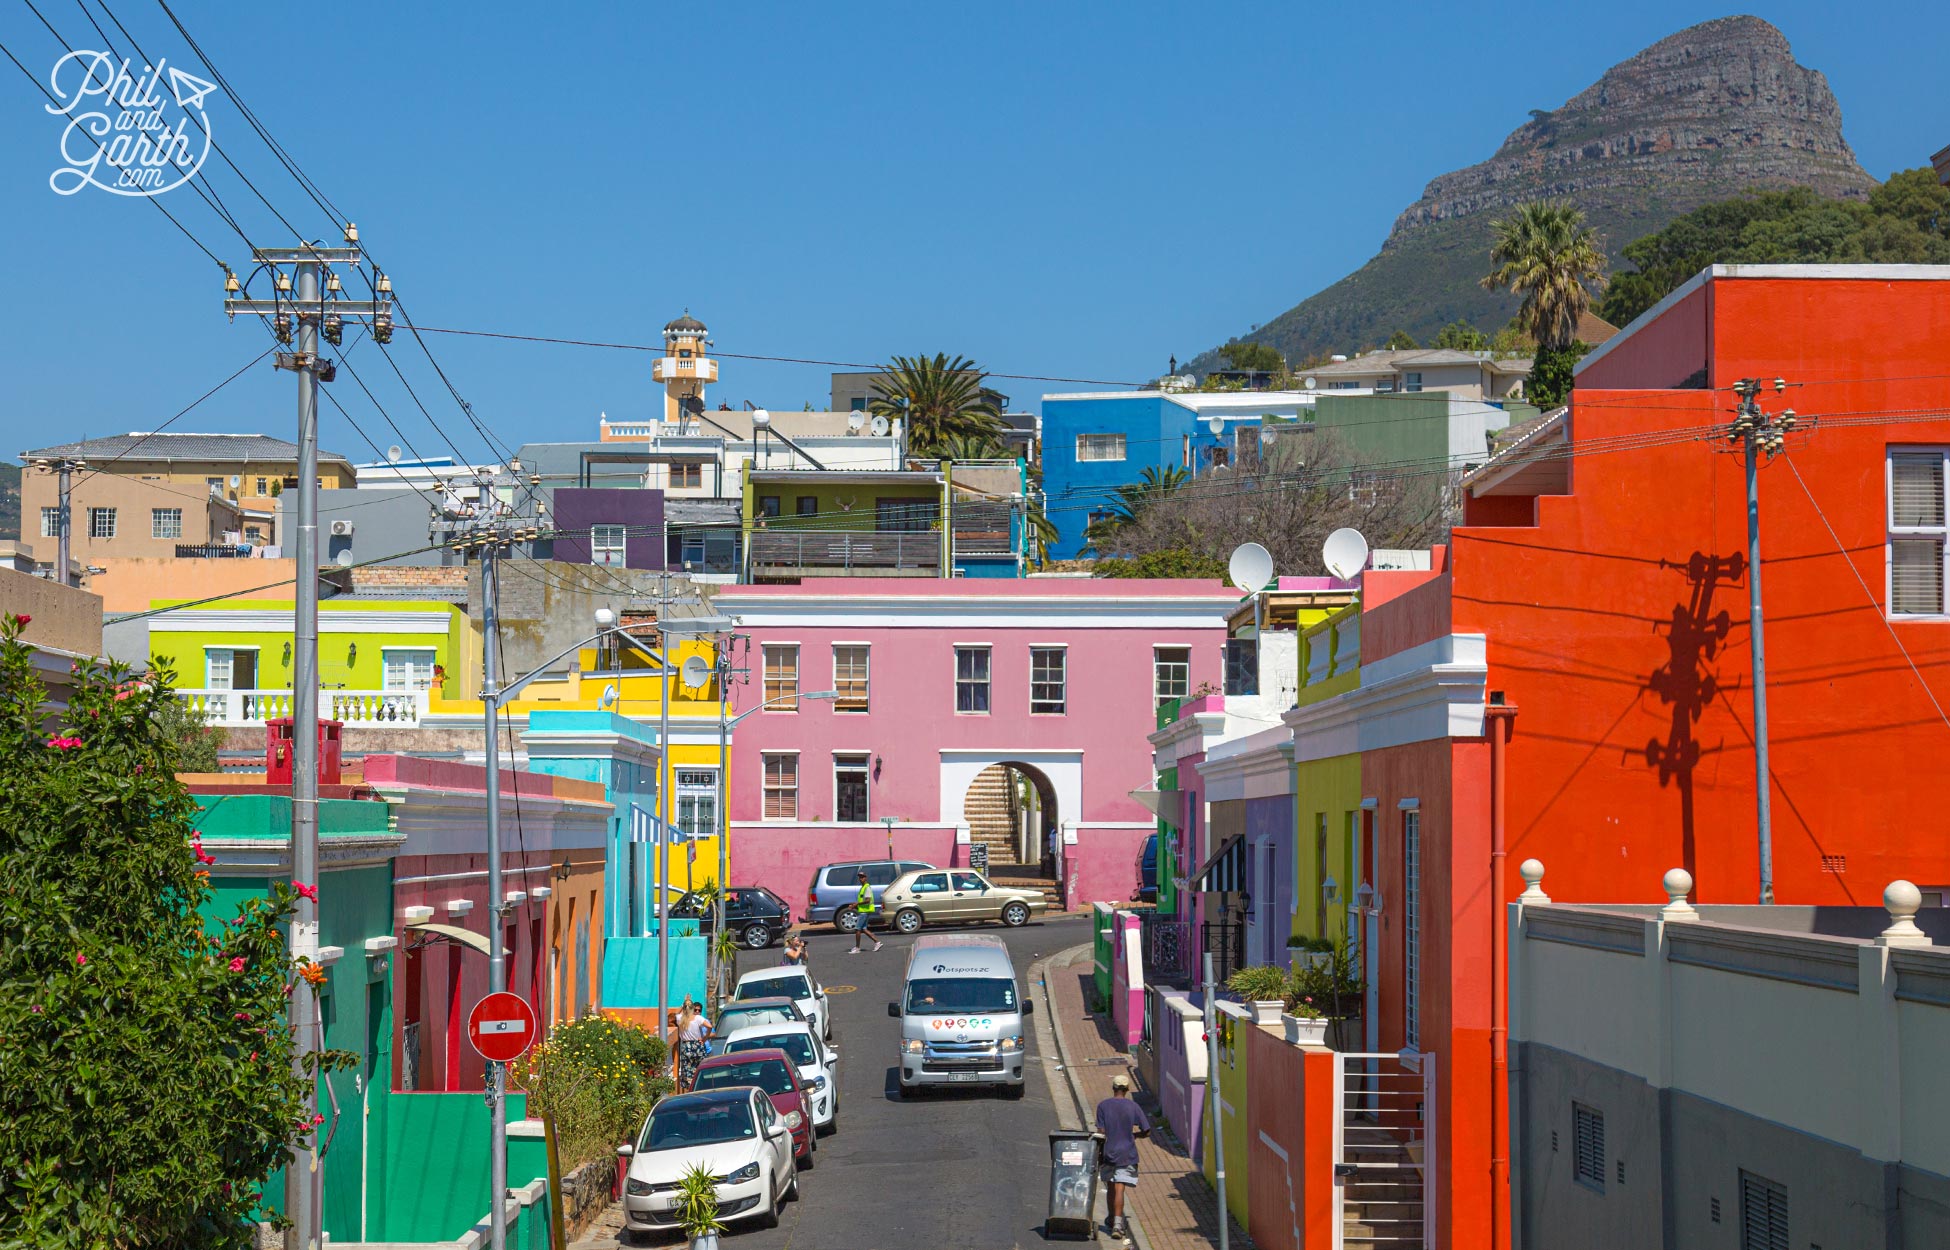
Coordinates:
(961, 1170)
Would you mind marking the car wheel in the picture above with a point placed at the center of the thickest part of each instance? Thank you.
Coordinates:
(1014, 1092)
(908, 920)
(757, 937)
(769, 1218)
(846, 920)
(792, 1186)
(1015, 914)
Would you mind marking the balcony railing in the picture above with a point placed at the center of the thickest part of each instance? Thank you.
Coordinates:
(210, 551)
(983, 543)
(369, 708)
(860, 553)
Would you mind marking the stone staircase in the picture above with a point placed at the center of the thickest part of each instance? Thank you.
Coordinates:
(1382, 1206)
(991, 812)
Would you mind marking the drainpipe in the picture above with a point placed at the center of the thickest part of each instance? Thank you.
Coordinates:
(1501, 719)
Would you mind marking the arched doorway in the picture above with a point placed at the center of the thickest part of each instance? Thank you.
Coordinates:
(1011, 809)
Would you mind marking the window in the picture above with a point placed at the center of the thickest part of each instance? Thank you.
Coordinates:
(1171, 672)
(857, 404)
(930, 883)
(686, 475)
(850, 789)
(850, 677)
(1343, 386)
(971, 679)
(781, 786)
(782, 676)
(1588, 1146)
(263, 486)
(808, 505)
(1218, 457)
(101, 522)
(215, 484)
(407, 668)
(50, 522)
(1763, 1213)
(1916, 533)
(768, 505)
(165, 522)
(1100, 447)
(696, 793)
(253, 533)
(1242, 666)
(967, 881)
(607, 544)
(1412, 929)
(1049, 680)
(905, 514)
(1411, 381)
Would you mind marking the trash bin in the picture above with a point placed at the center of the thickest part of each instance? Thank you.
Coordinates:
(1072, 1183)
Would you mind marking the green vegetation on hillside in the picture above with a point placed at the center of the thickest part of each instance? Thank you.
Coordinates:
(1906, 220)
(10, 501)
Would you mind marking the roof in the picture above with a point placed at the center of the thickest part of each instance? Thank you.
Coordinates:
(1373, 364)
(679, 510)
(137, 446)
(1516, 447)
(684, 323)
(1594, 329)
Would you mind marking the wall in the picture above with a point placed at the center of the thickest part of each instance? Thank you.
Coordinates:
(354, 635)
(1151, 426)
(1329, 788)
(1234, 1075)
(1178, 1036)
(135, 583)
(134, 499)
(576, 509)
(783, 859)
(388, 523)
(66, 618)
(1270, 829)
(1126, 979)
(1291, 1125)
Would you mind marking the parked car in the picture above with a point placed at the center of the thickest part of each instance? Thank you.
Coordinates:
(1147, 871)
(956, 896)
(817, 1062)
(794, 982)
(736, 1015)
(733, 1132)
(773, 1072)
(836, 887)
(758, 916)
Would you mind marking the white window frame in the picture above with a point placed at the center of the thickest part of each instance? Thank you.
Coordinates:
(696, 789)
(1412, 929)
(409, 680)
(986, 681)
(612, 555)
(789, 687)
(1105, 446)
(51, 522)
(95, 527)
(1411, 380)
(768, 788)
(840, 684)
(157, 518)
(229, 667)
(1062, 683)
(1940, 533)
(1158, 696)
(853, 761)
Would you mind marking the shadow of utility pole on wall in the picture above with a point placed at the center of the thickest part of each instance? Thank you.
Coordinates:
(1688, 681)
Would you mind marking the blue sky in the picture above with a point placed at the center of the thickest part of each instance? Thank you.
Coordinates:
(1072, 189)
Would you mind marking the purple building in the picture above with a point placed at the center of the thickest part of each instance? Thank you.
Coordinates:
(624, 528)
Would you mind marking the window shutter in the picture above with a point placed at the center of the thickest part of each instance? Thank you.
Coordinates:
(1588, 1145)
(1763, 1214)
(1916, 576)
(1915, 489)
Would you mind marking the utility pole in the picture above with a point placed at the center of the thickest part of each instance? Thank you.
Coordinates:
(497, 1073)
(664, 775)
(1759, 434)
(63, 513)
(1213, 1112)
(311, 312)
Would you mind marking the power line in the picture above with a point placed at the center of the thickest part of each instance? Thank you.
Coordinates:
(181, 412)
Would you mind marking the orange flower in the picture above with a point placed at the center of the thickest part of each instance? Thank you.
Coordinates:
(314, 973)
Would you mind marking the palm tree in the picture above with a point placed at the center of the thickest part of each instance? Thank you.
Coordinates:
(939, 398)
(969, 447)
(1547, 254)
(1134, 497)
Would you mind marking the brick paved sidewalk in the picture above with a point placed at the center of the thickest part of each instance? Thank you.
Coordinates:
(1175, 1206)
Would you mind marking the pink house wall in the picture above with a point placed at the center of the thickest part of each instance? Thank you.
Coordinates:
(914, 736)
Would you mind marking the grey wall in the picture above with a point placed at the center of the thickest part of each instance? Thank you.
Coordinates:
(386, 521)
(1555, 1209)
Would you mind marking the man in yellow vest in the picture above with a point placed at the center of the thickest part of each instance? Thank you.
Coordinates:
(866, 909)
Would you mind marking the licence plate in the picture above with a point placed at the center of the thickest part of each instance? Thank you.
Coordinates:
(961, 1076)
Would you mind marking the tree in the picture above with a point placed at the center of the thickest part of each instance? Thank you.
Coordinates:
(1134, 497)
(970, 447)
(197, 744)
(1175, 562)
(1550, 381)
(939, 398)
(1262, 357)
(1546, 254)
(146, 1083)
(1460, 336)
(1400, 341)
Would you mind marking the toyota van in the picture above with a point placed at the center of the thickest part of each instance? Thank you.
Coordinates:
(962, 1015)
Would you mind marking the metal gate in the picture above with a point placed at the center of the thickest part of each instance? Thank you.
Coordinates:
(1384, 1141)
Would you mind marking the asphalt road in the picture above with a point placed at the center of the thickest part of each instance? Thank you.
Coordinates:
(960, 1170)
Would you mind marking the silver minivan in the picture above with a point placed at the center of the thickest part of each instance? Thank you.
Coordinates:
(961, 1015)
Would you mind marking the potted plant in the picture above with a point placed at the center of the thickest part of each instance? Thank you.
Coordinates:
(1265, 987)
(1332, 984)
(697, 1207)
(1303, 1022)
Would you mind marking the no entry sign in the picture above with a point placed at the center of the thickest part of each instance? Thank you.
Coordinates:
(501, 1026)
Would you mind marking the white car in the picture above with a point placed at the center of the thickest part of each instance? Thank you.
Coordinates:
(790, 981)
(818, 1063)
(736, 1134)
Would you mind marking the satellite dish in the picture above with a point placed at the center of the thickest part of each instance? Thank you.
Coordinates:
(855, 422)
(1312, 382)
(761, 419)
(1250, 567)
(393, 454)
(610, 695)
(696, 673)
(879, 427)
(345, 559)
(1345, 553)
(1217, 425)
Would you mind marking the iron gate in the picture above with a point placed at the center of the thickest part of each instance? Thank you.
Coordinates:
(1384, 1139)
(1226, 941)
(1167, 950)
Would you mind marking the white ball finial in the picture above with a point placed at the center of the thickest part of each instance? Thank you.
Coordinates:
(1532, 872)
(1902, 900)
(1678, 884)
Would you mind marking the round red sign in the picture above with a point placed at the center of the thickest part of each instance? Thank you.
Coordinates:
(501, 1026)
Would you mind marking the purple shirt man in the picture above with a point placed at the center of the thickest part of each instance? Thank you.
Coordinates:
(1122, 1122)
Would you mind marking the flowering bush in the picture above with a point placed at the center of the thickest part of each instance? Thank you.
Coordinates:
(597, 1078)
(146, 1083)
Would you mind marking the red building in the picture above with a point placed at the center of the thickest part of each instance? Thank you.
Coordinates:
(1602, 577)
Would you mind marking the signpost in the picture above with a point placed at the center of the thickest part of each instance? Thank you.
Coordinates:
(501, 1027)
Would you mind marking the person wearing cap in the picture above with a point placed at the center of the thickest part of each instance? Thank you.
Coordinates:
(1122, 1122)
(864, 907)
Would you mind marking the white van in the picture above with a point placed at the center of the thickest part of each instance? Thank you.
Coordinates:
(961, 1015)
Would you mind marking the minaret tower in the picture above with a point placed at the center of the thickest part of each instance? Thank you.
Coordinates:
(684, 369)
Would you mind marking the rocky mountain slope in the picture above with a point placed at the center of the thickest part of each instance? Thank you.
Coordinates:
(1717, 109)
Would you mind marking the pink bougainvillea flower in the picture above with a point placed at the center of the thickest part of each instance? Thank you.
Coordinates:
(237, 964)
(305, 891)
(64, 744)
(23, 618)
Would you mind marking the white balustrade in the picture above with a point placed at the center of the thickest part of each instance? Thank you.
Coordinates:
(368, 708)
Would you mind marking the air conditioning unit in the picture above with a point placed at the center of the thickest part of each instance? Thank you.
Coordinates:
(341, 529)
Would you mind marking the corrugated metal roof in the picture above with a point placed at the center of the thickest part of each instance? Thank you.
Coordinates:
(136, 446)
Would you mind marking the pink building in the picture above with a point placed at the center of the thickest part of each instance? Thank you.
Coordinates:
(971, 713)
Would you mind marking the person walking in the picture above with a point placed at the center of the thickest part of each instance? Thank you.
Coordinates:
(692, 1029)
(865, 908)
(1122, 1122)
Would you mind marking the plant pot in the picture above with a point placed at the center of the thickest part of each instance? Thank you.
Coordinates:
(705, 1241)
(1302, 1031)
(1267, 1010)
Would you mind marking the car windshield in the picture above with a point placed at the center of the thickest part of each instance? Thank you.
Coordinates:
(678, 1124)
(960, 994)
(744, 1017)
(797, 1045)
(793, 986)
(769, 1075)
